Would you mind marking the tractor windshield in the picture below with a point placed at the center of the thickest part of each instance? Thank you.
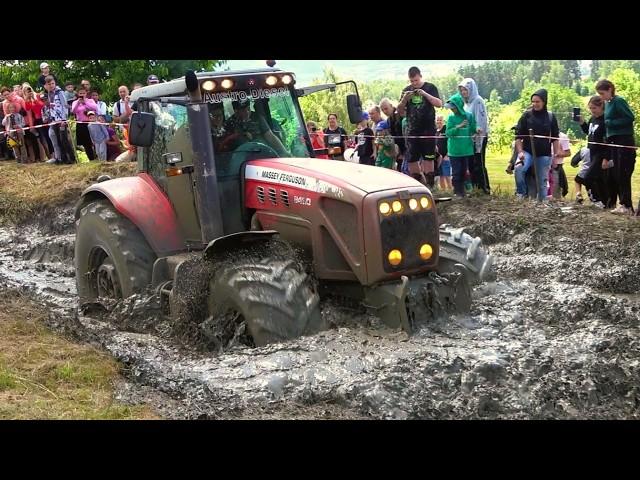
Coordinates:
(266, 119)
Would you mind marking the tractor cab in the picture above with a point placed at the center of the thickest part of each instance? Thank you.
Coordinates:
(195, 134)
(235, 117)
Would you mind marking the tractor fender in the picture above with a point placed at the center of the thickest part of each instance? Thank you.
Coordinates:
(235, 240)
(140, 200)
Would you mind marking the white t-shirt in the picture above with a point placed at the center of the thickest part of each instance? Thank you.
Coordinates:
(564, 145)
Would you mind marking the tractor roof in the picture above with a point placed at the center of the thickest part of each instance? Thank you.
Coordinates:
(177, 86)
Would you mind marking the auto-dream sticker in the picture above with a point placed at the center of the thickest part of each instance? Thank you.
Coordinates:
(296, 180)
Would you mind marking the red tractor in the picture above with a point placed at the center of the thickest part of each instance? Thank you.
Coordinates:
(241, 231)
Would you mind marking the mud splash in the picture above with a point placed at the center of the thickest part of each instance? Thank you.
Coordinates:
(555, 336)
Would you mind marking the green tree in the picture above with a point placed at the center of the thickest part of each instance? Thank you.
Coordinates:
(106, 75)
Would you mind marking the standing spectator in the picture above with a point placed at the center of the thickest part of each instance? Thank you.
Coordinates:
(544, 123)
(70, 93)
(99, 134)
(58, 131)
(80, 108)
(17, 89)
(419, 100)
(460, 145)
(558, 185)
(136, 86)
(114, 147)
(4, 150)
(395, 127)
(10, 97)
(618, 120)
(33, 107)
(375, 115)
(443, 155)
(386, 147)
(86, 84)
(45, 72)
(594, 178)
(13, 124)
(152, 80)
(364, 139)
(119, 108)
(317, 139)
(335, 138)
(474, 103)
(102, 107)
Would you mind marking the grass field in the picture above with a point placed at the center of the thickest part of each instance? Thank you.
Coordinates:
(504, 184)
(45, 376)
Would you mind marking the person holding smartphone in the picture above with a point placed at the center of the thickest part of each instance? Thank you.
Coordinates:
(419, 100)
(317, 139)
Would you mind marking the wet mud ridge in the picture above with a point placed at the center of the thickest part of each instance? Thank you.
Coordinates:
(555, 336)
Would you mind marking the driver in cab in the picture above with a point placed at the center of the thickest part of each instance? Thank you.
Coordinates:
(247, 126)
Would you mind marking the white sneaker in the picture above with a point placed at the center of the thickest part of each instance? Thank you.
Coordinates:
(621, 209)
(598, 204)
(579, 198)
(51, 160)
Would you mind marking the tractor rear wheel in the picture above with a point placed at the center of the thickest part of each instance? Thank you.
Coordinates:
(112, 257)
(257, 297)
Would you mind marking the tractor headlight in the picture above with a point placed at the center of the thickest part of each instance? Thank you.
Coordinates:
(424, 202)
(209, 85)
(271, 80)
(396, 206)
(395, 257)
(227, 83)
(413, 204)
(426, 251)
(384, 208)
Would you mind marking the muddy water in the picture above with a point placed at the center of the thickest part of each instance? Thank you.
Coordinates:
(556, 336)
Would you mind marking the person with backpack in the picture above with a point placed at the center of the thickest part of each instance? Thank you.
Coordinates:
(535, 152)
(120, 107)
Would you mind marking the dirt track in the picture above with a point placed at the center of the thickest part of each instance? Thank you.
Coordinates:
(556, 336)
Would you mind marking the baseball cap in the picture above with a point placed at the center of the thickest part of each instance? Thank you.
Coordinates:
(43, 65)
(365, 116)
(152, 79)
(382, 125)
(90, 112)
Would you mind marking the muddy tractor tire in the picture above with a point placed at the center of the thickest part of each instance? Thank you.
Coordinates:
(257, 299)
(112, 257)
(458, 247)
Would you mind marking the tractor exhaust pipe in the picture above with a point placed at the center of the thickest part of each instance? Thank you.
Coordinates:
(204, 164)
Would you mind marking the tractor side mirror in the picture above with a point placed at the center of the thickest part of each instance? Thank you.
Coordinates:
(354, 108)
(141, 128)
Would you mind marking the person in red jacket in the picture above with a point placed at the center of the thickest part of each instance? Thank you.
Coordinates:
(317, 139)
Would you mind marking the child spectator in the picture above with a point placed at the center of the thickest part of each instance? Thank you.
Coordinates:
(364, 136)
(99, 134)
(70, 93)
(386, 147)
(13, 124)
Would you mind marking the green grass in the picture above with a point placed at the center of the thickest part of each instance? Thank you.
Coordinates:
(45, 376)
(504, 184)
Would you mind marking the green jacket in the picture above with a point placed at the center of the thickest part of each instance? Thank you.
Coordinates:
(618, 117)
(459, 139)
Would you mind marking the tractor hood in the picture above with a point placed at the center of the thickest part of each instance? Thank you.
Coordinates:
(311, 172)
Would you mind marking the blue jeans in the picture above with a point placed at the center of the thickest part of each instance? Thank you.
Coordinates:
(542, 166)
(459, 166)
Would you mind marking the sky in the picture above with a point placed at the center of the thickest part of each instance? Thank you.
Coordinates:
(358, 70)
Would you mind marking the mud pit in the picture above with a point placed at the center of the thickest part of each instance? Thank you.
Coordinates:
(555, 336)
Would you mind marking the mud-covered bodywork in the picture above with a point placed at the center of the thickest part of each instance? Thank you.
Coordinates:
(332, 207)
